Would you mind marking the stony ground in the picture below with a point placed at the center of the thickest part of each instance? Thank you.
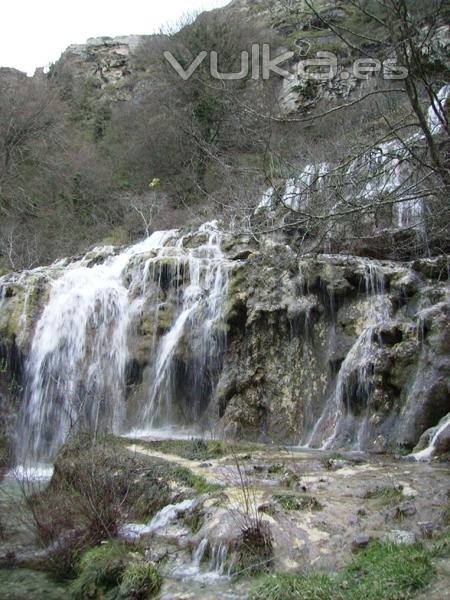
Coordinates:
(320, 508)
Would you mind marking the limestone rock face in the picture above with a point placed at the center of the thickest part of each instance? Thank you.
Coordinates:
(104, 62)
(328, 350)
(294, 330)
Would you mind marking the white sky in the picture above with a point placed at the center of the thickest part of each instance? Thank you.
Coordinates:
(34, 33)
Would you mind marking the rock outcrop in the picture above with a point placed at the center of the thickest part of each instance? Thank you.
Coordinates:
(328, 351)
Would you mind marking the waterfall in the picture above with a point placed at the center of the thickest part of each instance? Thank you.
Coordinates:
(437, 111)
(219, 566)
(353, 384)
(202, 306)
(384, 170)
(76, 368)
(427, 452)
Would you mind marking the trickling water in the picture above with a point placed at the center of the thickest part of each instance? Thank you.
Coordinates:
(427, 452)
(168, 514)
(437, 118)
(353, 383)
(383, 171)
(219, 566)
(75, 373)
(202, 305)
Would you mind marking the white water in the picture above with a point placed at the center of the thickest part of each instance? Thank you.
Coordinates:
(427, 452)
(384, 172)
(202, 305)
(437, 119)
(353, 378)
(75, 371)
(168, 514)
(219, 566)
(163, 518)
(38, 472)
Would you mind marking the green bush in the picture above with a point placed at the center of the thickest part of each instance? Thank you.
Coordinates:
(254, 551)
(100, 570)
(140, 580)
(111, 571)
(293, 502)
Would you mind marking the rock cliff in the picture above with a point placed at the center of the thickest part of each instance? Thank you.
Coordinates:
(241, 339)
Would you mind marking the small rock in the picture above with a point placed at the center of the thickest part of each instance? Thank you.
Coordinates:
(426, 529)
(259, 468)
(398, 536)
(405, 509)
(205, 465)
(360, 541)
(290, 479)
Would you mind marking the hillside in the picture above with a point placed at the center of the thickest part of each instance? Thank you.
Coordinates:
(225, 309)
(82, 144)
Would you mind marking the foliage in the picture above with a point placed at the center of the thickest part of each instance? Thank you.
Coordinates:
(381, 572)
(385, 571)
(112, 571)
(280, 586)
(100, 570)
(199, 449)
(140, 581)
(385, 493)
(297, 502)
(199, 484)
(25, 584)
(254, 551)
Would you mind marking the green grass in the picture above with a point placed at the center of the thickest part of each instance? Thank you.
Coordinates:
(381, 572)
(198, 449)
(385, 493)
(25, 584)
(296, 502)
(279, 586)
(111, 571)
(140, 581)
(196, 482)
(100, 570)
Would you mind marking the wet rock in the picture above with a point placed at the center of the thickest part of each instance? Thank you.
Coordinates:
(426, 528)
(433, 268)
(268, 508)
(360, 541)
(334, 464)
(399, 536)
(290, 479)
(405, 509)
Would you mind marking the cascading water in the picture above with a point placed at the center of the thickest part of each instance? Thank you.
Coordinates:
(427, 452)
(338, 420)
(201, 310)
(76, 370)
(383, 171)
(219, 566)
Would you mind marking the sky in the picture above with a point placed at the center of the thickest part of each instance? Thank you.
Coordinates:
(34, 33)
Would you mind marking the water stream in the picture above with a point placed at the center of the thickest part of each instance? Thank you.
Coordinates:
(76, 369)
